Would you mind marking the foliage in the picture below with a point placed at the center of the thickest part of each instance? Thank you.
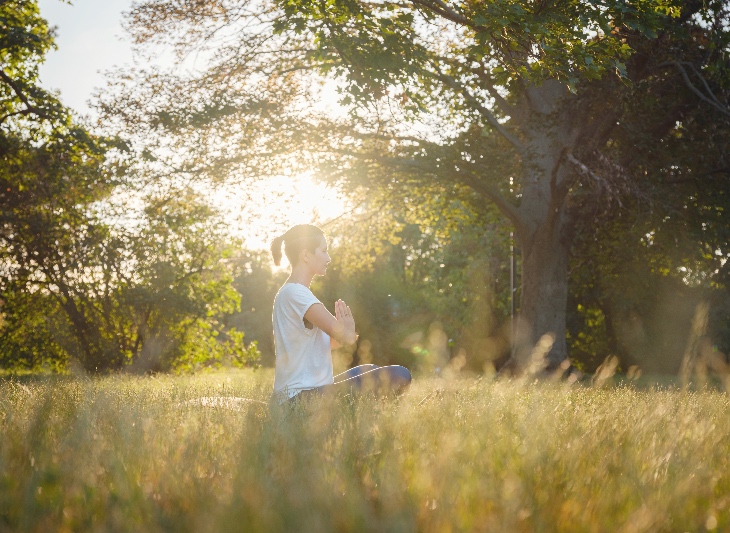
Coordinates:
(639, 282)
(434, 271)
(151, 295)
(52, 170)
(378, 46)
(178, 288)
(106, 454)
(257, 284)
(87, 279)
(24, 105)
(33, 334)
(548, 110)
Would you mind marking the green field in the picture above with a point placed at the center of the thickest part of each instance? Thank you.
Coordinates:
(135, 454)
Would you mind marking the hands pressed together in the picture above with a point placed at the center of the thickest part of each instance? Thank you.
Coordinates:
(345, 321)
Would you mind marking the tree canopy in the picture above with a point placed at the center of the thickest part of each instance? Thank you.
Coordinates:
(559, 114)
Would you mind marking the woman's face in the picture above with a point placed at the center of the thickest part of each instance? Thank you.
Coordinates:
(320, 259)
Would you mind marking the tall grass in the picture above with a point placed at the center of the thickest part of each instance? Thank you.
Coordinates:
(135, 454)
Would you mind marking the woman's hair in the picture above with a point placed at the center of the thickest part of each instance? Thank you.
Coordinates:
(296, 239)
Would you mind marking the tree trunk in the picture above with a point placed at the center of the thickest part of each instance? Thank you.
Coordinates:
(544, 296)
(542, 221)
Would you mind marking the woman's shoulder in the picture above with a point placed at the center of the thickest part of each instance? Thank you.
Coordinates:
(294, 290)
(294, 296)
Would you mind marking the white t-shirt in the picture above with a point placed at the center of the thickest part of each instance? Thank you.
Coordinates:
(303, 356)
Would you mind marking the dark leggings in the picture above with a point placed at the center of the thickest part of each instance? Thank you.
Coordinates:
(366, 378)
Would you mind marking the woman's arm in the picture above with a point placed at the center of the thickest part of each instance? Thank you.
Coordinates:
(340, 328)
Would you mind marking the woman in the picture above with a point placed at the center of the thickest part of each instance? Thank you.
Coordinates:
(305, 331)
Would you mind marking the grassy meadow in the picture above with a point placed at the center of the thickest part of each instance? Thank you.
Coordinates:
(146, 454)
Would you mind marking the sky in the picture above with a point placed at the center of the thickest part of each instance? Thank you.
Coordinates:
(91, 41)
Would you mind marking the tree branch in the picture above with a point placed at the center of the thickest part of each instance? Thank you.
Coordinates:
(493, 195)
(486, 113)
(489, 192)
(30, 108)
(508, 108)
(21, 112)
(581, 168)
(445, 11)
(711, 99)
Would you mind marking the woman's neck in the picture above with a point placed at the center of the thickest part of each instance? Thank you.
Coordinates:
(302, 275)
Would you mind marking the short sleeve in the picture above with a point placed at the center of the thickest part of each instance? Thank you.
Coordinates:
(300, 299)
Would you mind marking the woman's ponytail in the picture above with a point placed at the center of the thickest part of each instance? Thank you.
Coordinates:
(276, 249)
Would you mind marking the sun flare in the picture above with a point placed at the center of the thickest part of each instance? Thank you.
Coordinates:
(261, 212)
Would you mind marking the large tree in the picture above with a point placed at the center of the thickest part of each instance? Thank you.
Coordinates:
(51, 167)
(537, 107)
(92, 267)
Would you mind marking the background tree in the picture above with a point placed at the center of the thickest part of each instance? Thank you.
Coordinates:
(257, 284)
(178, 289)
(85, 276)
(51, 168)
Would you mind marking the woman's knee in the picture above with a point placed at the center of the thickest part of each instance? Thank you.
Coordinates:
(400, 374)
